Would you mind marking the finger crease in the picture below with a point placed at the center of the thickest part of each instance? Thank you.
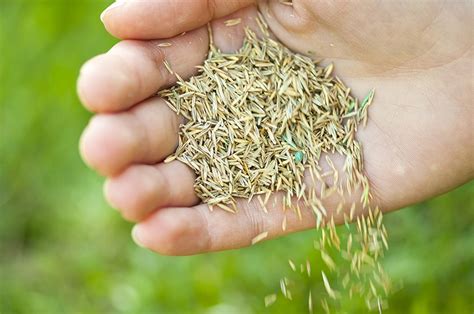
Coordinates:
(146, 143)
(255, 218)
(165, 185)
(157, 56)
(211, 9)
(204, 214)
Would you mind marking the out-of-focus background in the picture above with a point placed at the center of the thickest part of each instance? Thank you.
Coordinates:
(63, 250)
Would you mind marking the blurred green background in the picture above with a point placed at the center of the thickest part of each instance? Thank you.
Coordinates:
(62, 250)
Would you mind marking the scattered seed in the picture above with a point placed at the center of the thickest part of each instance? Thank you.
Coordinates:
(226, 208)
(283, 224)
(168, 67)
(292, 265)
(256, 120)
(329, 290)
(169, 159)
(286, 2)
(259, 237)
(328, 260)
(283, 288)
(164, 44)
(233, 22)
(270, 299)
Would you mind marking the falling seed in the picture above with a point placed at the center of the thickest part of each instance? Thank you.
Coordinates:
(255, 121)
(283, 288)
(329, 290)
(270, 299)
(292, 265)
(325, 306)
(283, 224)
(259, 237)
(328, 260)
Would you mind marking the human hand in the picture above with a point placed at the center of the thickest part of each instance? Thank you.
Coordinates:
(417, 143)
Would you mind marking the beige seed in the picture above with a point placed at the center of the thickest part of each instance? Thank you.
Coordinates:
(329, 290)
(283, 224)
(259, 237)
(233, 22)
(288, 3)
(168, 67)
(292, 265)
(256, 120)
(270, 299)
(164, 44)
(226, 208)
(169, 159)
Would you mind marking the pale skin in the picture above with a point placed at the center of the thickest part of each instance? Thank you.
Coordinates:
(418, 142)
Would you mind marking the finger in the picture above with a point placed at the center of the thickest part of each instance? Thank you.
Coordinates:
(164, 18)
(141, 189)
(145, 134)
(187, 231)
(134, 70)
(227, 35)
(193, 230)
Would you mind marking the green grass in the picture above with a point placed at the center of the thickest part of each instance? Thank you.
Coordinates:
(63, 250)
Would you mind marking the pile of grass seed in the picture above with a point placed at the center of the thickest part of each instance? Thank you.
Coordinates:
(256, 120)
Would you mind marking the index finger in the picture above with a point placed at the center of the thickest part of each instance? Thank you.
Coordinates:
(164, 18)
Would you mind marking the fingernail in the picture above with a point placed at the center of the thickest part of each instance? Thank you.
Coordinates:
(136, 236)
(117, 3)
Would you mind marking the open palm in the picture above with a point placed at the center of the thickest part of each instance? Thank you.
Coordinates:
(417, 143)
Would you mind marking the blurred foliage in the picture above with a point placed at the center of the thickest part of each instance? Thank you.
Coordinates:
(62, 250)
